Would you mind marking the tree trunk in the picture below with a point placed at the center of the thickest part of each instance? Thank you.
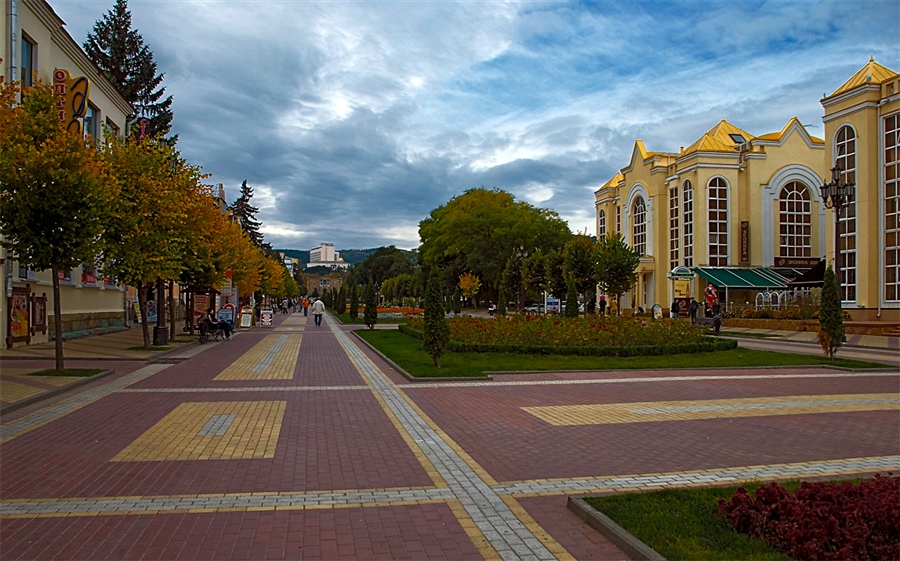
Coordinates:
(172, 321)
(57, 319)
(145, 325)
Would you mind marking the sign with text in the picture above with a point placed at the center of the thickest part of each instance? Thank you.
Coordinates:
(745, 243)
(71, 98)
(682, 288)
(266, 317)
(797, 262)
(246, 316)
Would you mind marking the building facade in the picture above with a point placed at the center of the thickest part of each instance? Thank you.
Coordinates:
(35, 43)
(744, 213)
(324, 255)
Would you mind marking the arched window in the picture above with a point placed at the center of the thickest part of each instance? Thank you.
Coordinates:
(795, 220)
(687, 192)
(601, 224)
(718, 222)
(845, 158)
(892, 208)
(673, 227)
(639, 232)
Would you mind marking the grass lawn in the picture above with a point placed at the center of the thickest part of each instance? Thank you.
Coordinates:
(73, 372)
(410, 355)
(682, 523)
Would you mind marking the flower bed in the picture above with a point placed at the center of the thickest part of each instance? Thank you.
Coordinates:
(822, 520)
(568, 332)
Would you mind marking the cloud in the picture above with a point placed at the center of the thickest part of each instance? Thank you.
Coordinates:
(353, 120)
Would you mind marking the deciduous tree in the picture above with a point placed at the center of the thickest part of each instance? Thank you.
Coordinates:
(470, 286)
(579, 258)
(616, 265)
(55, 190)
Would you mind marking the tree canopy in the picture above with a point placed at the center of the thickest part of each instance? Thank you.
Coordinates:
(481, 229)
(616, 265)
(245, 213)
(384, 263)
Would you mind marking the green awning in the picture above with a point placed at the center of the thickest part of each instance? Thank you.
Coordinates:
(753, 278)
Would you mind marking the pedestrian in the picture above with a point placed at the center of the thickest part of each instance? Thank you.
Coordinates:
(305, 306)
(318, 308)
(673, 311)
(602, 304)
(694, 307)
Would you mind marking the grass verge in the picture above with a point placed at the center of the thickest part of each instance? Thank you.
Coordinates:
(749, 334)
(360, 320)
(70, 372)
(682, 523)
(410, 355)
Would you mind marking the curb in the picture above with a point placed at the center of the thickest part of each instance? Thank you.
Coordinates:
(619, 536)
(54, 392)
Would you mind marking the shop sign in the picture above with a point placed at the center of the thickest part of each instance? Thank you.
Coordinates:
(797, 262)
(266, 317)
(71, 98)
(745, 242)
(682, 288)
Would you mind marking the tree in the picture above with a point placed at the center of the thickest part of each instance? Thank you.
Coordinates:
(55, 190)
(470, 285)
(501, 300)
(831, 321)
(354, 302)
(382, 264)
(571, 310)
(456, 305)
(371, 314)
(513, 279)
(245, 213)
(120, 53)
(342, 300)
(533, 271)
(437, 330)
(554, 278)
(616, 265)
(480, 229)
(578, 261)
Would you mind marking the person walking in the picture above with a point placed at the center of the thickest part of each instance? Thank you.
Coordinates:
(673, 311)
(603, 304)
(305, 306)
(318, 308)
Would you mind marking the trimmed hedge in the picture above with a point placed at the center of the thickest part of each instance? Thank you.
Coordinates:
(646, 350)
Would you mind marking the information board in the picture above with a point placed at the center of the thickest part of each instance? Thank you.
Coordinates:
(266, 317)
(246, 316)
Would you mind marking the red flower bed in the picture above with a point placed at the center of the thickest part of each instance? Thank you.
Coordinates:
(822, 521)
(568, 332)
(399, 310)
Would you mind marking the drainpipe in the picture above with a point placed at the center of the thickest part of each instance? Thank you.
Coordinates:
(13, 13)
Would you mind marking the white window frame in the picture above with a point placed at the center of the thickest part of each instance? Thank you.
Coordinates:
(687, 192)
(715, 245)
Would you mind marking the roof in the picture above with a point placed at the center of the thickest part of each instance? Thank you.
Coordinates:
(752, 278)
(719, 139)
(871, 73)
(792, 123)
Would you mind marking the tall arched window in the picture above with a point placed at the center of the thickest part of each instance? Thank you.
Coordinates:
(845, 158)
(601, 224)
(639, 232)
(892, 208)
(795, 220)
(673, 227)
(687, 192)
(718, 222)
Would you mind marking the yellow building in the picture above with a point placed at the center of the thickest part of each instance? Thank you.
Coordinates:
(35, 41)
(744, 213)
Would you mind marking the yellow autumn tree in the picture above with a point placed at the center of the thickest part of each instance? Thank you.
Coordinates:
(470, 285)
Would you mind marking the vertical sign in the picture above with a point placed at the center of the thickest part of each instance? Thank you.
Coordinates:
(745, 242)
(71, 98)
(266, 317)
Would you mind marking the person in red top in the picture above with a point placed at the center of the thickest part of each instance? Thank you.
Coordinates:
(305, 305)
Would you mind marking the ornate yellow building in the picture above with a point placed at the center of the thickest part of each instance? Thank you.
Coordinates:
(744, 213)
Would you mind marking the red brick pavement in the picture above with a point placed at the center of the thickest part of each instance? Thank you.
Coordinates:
(579, 539)
(513, 445)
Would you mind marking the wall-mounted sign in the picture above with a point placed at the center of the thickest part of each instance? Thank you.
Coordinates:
(797, 262)
(745, 243)
(71, 98)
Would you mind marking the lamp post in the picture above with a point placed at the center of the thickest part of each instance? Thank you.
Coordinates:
(837, 195)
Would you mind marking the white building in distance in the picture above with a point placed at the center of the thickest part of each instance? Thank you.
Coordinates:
(325, 256)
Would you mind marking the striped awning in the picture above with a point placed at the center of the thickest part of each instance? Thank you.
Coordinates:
(752, 278)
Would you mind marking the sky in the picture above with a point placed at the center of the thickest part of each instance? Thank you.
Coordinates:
(353, 120)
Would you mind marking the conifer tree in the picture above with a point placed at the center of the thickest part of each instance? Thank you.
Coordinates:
(456, 305)
(831, 321)
(437, 330)
(342, 300)
(245, 213)
(120, 53)
(501, 297)
(371, 313)
(571, 298)
(354, 302)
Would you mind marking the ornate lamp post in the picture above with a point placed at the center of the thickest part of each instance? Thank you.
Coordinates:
(837, 196)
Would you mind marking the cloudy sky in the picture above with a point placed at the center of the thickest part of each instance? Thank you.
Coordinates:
(352, 120)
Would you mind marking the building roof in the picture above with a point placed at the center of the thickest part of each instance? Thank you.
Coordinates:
(871, 73)
(721, 138)
(792, 123)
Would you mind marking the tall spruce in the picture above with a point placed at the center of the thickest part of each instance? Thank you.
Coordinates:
(245, 213)
(437, 330)
(354, 302)
(370, 317)
(831, 321)
(501, 300)
(571, 310)
(120, 53)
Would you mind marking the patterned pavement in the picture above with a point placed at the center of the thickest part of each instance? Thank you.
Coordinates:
(301, 442)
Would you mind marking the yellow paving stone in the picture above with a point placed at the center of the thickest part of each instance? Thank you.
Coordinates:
(11, 392)
(252, 433)
(250, 365)
(649, 411)
(545, 538)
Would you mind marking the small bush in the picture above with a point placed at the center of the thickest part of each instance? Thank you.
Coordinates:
(823, 521)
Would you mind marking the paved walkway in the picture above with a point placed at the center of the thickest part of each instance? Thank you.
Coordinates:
(300, 442)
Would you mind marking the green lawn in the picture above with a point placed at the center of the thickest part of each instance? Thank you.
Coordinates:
(682, 523)
(410, 355)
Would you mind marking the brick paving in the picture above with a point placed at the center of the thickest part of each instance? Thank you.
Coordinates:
(299, 442)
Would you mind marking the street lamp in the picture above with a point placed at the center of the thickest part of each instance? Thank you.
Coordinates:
(837, 196)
